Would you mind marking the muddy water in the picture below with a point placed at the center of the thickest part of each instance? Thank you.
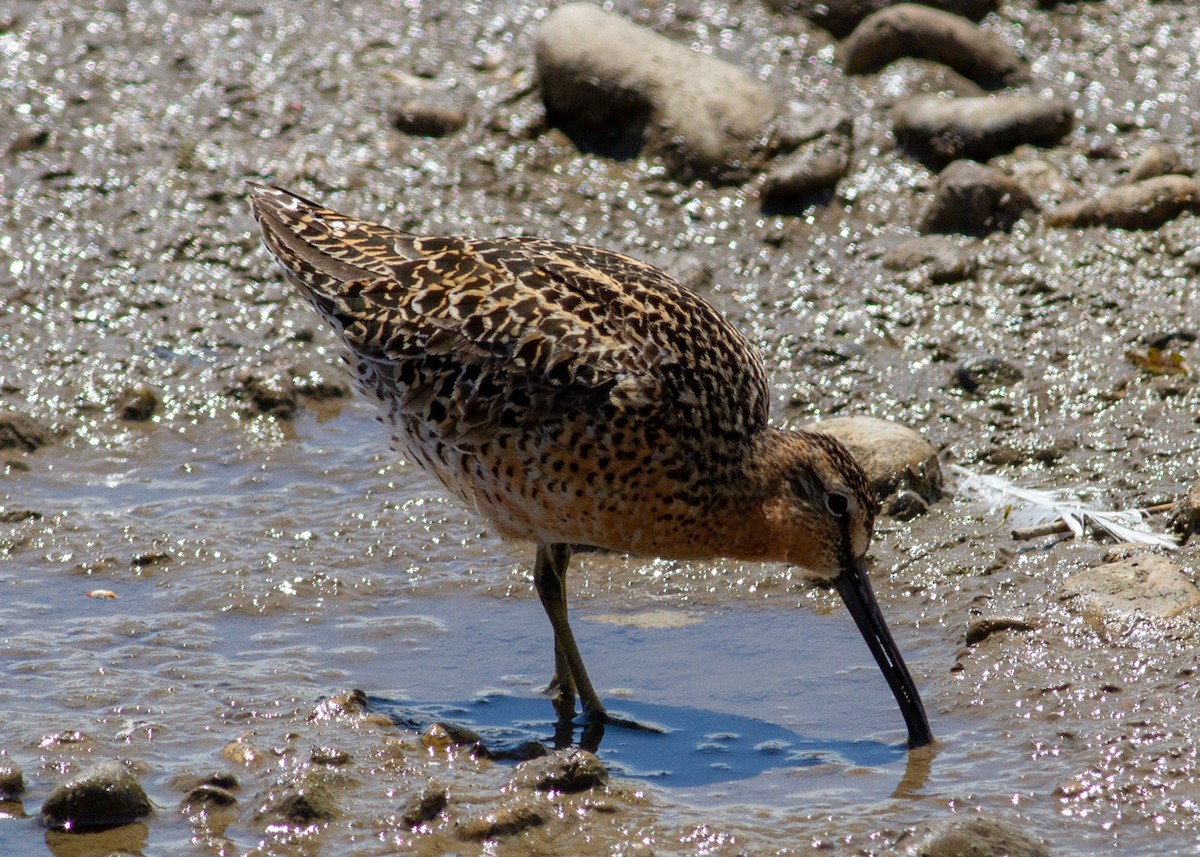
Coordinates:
(267, 553)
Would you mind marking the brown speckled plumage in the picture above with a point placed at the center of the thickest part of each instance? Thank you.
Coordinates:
(573, 396)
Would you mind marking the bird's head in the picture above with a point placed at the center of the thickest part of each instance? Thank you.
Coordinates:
(822, 513)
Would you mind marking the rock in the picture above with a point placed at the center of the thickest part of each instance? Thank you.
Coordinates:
(425, 119)
(1143, 205)
(623, 86)
(346, 704)
(980, 629)
(505, 821)
(905, 505)
(449, 736)
(1184, 518)
(333, 756)
(272, 396)
(974, 199)
(909, 30)
(841, 16)
(977, 837)
(895, 457)
(804, 123)
(1158, 160)
(302, 800)
(1042, 181)
(1146, 585)
(12, 780)
(138, 404)
(103, 795)
(18, 431)
(208, 795)
(939, 130)
(562, 771)
(986, 373)
(942, 258)
(804, 173)
(425, 807)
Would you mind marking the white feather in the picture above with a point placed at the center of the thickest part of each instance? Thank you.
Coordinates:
(1028, 506)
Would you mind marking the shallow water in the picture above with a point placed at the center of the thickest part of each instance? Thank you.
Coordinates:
(241, 595)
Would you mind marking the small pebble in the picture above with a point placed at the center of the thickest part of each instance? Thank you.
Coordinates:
(12, 780)
(941, 130)
(894, 456)
(1147, 585)
(1158, 160)
(424, 119)
(606, 77)
(1146, 204)
(562, 771)
(138, 404)
(102, 795)
(425, 807)
(504, 821)
(986, 373)
(977, 837)
(18, 431)
(911, 30)
(841, 16)
(973, 199)
(943, 259)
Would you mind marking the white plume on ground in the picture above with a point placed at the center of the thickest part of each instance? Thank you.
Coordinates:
(1029, 506)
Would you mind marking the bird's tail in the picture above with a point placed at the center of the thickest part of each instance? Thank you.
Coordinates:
(320, 249)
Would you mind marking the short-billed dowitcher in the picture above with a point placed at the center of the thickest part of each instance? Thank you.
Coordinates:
(575, 396)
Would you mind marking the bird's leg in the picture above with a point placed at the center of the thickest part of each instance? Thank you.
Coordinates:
(570, 676)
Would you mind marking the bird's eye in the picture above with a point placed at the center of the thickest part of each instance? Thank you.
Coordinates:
(837, 504)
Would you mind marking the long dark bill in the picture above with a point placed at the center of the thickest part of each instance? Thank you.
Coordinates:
(855, 588)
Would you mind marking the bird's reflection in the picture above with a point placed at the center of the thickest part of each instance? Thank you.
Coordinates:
(671, 745)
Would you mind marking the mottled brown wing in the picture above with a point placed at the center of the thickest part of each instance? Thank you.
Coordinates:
(492, 333)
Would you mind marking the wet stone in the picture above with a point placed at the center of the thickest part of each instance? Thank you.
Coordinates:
(618, 86)
(272, 396)
(427, 119)
(563, 771)
(18, 431)
(973, 199)
(986, 373)
(103, 795)
(1184, 519)
(943, 259)
(1142, 205)
(329, 756)
(1146, 585)
(303, 800)
(505, 821)
(1158, 160)
(425, 806)
(910, 30)
(138, 404)
(841, 16)
(980, 629)
(940, 130)
(207, 795)
(804, 173)
(977, 837)
(12, 780)
(347, 703)
(895, 457)
(449, 736)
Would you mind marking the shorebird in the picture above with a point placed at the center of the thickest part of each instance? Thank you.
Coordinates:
(576, 396)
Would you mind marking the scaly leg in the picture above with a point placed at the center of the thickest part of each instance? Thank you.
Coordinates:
(570, 675)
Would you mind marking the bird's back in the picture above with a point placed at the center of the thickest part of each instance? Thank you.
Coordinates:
(565, 391)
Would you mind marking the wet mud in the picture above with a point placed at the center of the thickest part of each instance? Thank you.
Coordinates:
(176, 431)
